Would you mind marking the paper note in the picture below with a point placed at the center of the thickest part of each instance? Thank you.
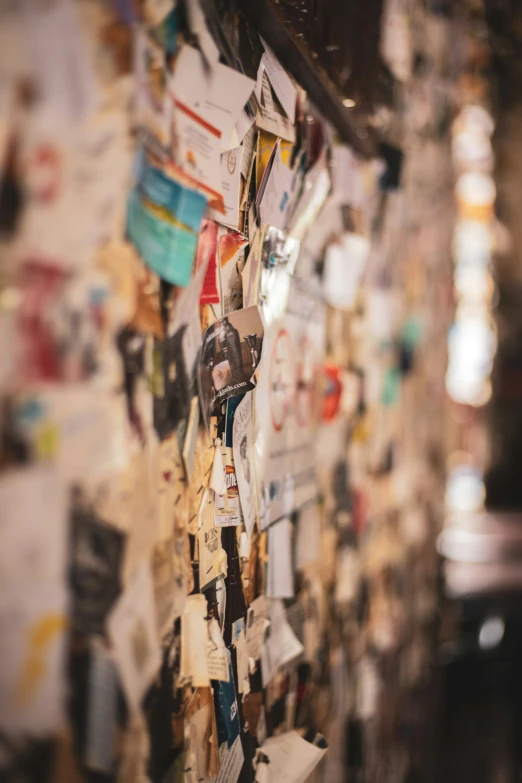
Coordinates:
(198, 727)
(281, 644)
(33, 528)
(283, 85)
(243, 125)
(33, 600)
(194, 642)
(212, 557)
(231, 762)
(280, 580)
(268, 116)
(217, 97)
(231, 163)
(62, 66)
(243, 459)
(308, 538)
(256, 625)
(343, 269)
(198, 151)
(206, 106)
(132, 631)
(316, 187)
(218, 668)
(33, 623)
(292, 759)
(242, 663)
(199, 28)
(248, 145)
(276, 189)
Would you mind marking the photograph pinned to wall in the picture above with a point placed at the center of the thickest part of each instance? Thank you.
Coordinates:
(230, 356)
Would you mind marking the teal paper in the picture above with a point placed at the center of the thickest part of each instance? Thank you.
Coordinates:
(183, 203)
(391, 387)
(168, 249)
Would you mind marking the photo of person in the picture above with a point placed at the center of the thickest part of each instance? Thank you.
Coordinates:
(230, 355)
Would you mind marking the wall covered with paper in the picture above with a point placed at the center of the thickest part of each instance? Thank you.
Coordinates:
(222, 337)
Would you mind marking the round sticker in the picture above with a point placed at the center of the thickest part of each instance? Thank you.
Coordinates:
(305, 383)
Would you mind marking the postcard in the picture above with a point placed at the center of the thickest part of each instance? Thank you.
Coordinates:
(229, 358)
(206, 107)
(217, 96)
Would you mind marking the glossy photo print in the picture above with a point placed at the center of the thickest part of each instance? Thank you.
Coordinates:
(229, 358)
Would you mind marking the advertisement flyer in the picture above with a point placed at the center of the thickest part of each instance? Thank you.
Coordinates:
(285, 420)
